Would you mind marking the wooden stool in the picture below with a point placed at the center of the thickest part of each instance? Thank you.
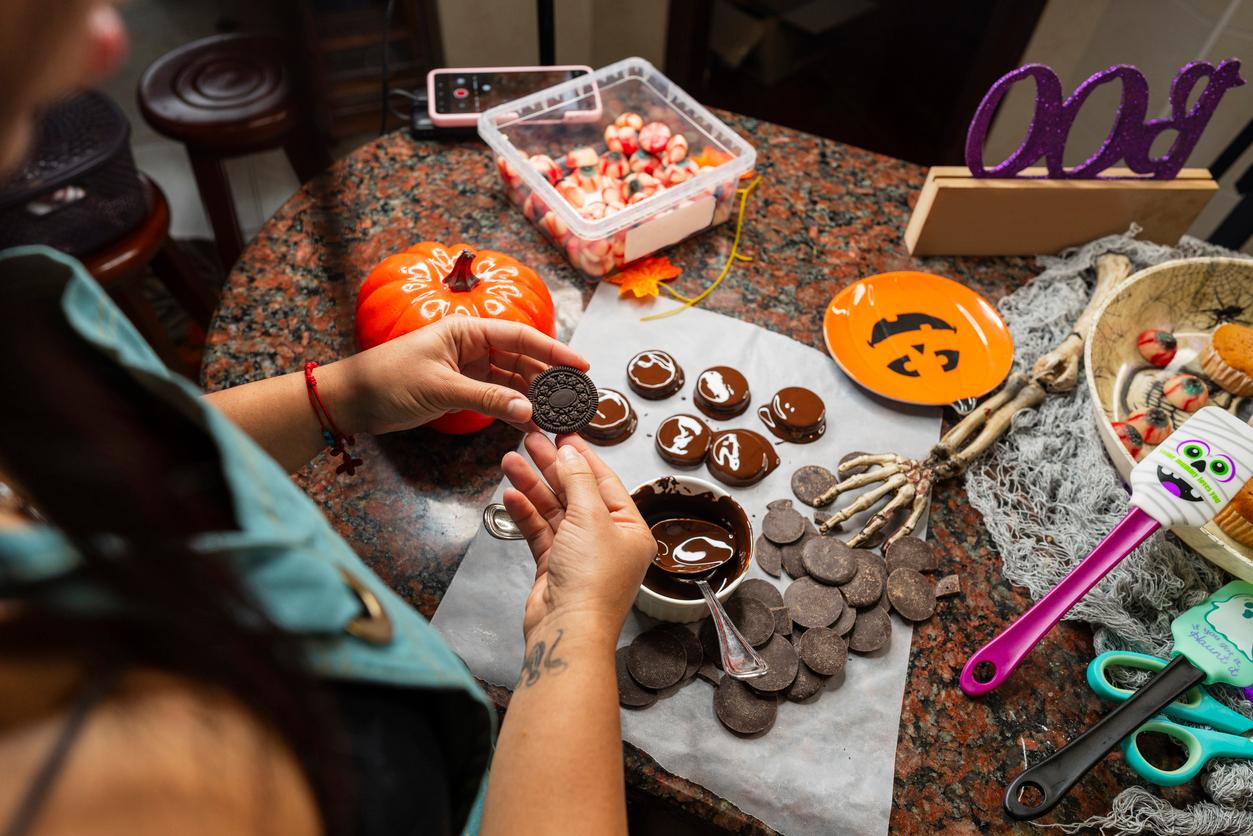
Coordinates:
(223, 97)
(121, 265)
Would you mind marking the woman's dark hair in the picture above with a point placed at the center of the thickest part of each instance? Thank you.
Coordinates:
(129, 477)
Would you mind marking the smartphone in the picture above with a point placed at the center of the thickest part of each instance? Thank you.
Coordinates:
(456, 96)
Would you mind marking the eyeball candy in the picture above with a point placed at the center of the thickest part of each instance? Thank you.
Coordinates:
(1186, 391)
(554, 227)
(1154, 424)
(643, 161)
(629, 120)
(546, 166)
(654, 136)
(640, 186)
(676, 149)
(1157, 347)
(572, 191)
(580, 157)
(533, 207)
(508, 173)
(614, 164)
(1130, 438)
(622, 139)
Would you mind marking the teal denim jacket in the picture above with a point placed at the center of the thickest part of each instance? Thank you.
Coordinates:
(288, 556)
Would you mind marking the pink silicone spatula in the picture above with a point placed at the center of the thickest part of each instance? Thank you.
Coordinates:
(1184, 481)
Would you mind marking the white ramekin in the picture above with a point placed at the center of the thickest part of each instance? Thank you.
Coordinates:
(678, 610)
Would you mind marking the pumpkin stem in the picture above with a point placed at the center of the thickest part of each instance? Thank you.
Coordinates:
(461, 278)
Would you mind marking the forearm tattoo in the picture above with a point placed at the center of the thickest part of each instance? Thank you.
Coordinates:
(542, 658)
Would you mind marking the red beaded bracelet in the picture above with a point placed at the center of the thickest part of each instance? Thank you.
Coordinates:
(331, 433)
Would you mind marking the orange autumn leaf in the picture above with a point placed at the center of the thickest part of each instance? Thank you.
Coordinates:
(644, 277)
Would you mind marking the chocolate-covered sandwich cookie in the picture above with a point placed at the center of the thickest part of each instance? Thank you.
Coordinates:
(740, 457)
(654, 374)
(721, 392)
(795, 414)
(683, 440)
(614, 420)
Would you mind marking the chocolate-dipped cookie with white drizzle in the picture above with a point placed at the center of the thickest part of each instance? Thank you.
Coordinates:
(654, 375)
(683, 440)
(614, 420)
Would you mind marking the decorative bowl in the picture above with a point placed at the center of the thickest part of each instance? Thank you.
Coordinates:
(1189, 298)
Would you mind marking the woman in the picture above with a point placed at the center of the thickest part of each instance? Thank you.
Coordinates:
(185, 644)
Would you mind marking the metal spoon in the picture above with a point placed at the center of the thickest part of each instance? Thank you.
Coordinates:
(739, 659)
(499, 524)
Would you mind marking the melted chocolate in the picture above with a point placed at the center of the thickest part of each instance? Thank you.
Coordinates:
(795, 414)
(721, 392)
(740, 457)
(692, 547)
(662, 500)
(654, 375)
(614, 420)
(683, 440)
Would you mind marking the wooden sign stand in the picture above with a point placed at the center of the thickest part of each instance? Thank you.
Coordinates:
(958, 214)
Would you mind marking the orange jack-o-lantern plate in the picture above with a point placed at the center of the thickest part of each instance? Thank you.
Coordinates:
(918, 338)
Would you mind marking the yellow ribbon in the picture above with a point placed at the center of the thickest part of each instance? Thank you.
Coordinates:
(732, 257)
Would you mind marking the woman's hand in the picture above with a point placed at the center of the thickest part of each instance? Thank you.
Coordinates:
(590, 544)
(460, 362)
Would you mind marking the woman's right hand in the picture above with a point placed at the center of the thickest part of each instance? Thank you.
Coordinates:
(590, 544)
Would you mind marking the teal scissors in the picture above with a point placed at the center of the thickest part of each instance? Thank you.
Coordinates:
(1225, 733)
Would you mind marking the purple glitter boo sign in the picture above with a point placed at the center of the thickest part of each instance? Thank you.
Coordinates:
(1129, 139)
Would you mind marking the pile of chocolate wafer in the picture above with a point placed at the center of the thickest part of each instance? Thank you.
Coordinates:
(839, 599)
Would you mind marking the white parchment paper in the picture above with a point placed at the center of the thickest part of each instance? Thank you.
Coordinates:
(827, 765)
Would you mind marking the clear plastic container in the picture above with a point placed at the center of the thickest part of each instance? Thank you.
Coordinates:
(552, 123)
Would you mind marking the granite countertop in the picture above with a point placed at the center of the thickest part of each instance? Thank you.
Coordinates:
(824, 215)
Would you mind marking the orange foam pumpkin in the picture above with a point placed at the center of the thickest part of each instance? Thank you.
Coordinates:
(430, 281)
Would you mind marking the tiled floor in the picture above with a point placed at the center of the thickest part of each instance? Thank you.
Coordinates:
(260, 182)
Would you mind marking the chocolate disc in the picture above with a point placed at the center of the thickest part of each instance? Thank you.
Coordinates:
(806, 684)
(743, 710)
(614, 420)
(630, 693)
(654, 375)
(768, 555)
(811, 482)
(781, 663)
(866, 587)
(783, 525)
(721, 392)
(795, 414)
(740, 457)
(793, 553)
(871, 632)
(707, 635)
(656, 659)
(912, 594)
(752, 618)
(683, 440)
(812, 604)
(691, 647)
(854, 471)
(710, 673)
(844, 624)
(563, 400)
(763, 591)
(949, 585)
(823, 650)
(911, 553)
(829, 560)
(782, 620)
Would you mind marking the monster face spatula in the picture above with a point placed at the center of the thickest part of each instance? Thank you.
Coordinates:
(1185, 481)
(1213, 643)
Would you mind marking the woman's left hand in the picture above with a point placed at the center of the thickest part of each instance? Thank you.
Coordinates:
(460, 362)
